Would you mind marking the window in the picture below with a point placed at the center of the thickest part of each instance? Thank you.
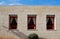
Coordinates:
(12, 21)
(31, 22)
(50, 22)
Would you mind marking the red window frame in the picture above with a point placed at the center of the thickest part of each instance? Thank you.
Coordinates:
(31, 26)
(11, 17)
(50, 24)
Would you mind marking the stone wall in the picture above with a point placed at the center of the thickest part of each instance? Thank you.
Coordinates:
(22, 12)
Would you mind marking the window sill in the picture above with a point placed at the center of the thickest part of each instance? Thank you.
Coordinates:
(32, 30)
(51, 30)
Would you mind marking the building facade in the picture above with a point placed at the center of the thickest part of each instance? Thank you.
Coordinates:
(19, 21)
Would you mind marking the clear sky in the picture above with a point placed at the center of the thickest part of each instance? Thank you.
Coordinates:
(31, 2)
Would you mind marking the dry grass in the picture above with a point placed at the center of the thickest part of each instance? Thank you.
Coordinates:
(7, 38)
(10, 38)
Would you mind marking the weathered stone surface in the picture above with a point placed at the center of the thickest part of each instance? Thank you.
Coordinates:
(22, 12)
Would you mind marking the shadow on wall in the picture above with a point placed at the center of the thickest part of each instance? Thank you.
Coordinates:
(19, 34)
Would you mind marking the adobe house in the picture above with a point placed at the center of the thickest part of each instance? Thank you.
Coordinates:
(17, 22)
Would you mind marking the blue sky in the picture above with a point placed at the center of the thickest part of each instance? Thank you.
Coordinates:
(31, 2)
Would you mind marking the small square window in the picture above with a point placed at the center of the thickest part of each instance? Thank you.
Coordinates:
(50, 22)
(31, 22)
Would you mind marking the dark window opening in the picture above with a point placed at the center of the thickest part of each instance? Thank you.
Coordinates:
(12, 21)
(31, 21)
(50, 22)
